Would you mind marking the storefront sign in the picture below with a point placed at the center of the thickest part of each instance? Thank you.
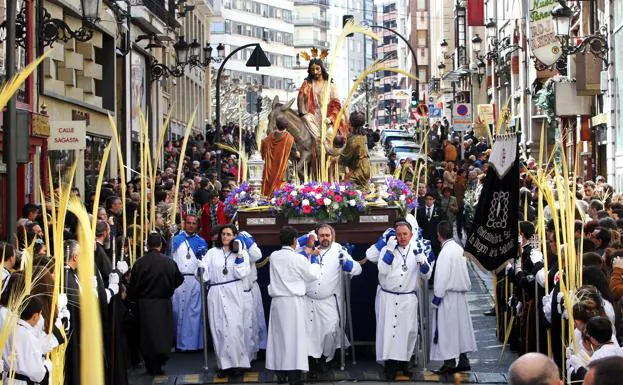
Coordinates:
(485, 114)
(40, 125)
(79, 115)
(67, 135)
(543, 42)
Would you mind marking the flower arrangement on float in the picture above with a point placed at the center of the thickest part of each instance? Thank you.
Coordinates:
(325, 201)
(398, 193)
(243, 197)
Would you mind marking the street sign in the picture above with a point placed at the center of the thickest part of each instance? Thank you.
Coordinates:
(462, 116)
(434, 112)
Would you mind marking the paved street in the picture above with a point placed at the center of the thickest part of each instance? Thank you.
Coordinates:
(487, 366)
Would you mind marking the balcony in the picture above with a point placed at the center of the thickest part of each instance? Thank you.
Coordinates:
(311, 21)
(321, 3)
(157, 9)
(308, 43)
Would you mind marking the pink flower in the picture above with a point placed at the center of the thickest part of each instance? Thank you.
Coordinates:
(233, 202)
(279, 202)
(297, 202)
(338, 198)
(320, 201)
(307, 209)
(289, 198)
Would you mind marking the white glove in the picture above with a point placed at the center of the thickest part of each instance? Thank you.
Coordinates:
(94, 284)
(519, 307)
(62, 301)
(617, 263)
(122, 266)
(420, 258)
(575, 363)
(48, 365)
(392, 243)
(113, 279)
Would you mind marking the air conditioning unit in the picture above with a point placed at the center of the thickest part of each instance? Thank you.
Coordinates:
(603, 81)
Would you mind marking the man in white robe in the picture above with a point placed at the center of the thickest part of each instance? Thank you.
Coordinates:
(324, 300)
(286, 349)
(402, 264)
(452, 331)
(187, 249)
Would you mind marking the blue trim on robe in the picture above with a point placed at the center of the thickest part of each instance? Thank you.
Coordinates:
(197, 244)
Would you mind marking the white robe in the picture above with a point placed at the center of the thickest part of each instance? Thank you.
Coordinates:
(255, 322)
(28, 358)
(286, 348)
(452, 319)
(324, 301)
(397, 314)
(226, 311)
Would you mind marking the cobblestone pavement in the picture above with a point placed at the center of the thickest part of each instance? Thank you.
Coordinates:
(487, 364)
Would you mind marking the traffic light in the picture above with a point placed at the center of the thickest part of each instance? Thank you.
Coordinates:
(346, 19)
(414, 101)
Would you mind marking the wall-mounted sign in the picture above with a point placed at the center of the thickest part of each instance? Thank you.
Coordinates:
(543, 42)
(40, 125)
(67, 135)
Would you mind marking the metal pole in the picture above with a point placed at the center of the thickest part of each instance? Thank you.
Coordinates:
(10, 137)
(204, 319)
(342, 316)
(417, 81)
(349, 318)
(536, 316)
(217, 136)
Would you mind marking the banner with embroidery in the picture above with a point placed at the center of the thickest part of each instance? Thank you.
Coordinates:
(493, 237)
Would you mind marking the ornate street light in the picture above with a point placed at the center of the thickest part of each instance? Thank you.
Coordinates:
(51, 30)
(476, 43)
(562, 15)
(596, 44)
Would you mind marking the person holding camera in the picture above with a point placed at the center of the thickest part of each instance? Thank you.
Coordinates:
(323, 297)
(224, 267)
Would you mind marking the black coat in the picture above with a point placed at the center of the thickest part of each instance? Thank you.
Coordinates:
(429, 227)
(72, 354)
(154, 278)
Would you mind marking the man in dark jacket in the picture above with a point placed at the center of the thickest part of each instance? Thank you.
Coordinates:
(154, 279)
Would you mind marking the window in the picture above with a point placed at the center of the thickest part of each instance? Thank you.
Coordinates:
(287, 61)
(218, 27)
(422, 38)
(239, 29)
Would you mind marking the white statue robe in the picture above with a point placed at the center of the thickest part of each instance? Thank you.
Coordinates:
(286, 348)
(397, 303)
(255, 322)
(324, 301)
(226, 310)
(452, 319)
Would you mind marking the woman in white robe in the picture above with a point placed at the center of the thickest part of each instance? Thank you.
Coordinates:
(225, 266)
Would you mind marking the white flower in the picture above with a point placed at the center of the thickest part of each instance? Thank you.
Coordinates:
(342, 188)
(293, 193)
(305, 202)
(403, 197)
(336, 205)
(352, 202)
(326, 201)
(273, 201)
(318, 196)
(242, 194)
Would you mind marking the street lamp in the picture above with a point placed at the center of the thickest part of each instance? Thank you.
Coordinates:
(442, 68)
(562, 15)
(187, 54)
(257, 59)
(596, 44)
(476, 44)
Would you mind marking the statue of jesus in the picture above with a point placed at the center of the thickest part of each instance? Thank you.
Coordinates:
(310, 95)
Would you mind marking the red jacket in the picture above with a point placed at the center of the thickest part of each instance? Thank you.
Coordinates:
(206, 223)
